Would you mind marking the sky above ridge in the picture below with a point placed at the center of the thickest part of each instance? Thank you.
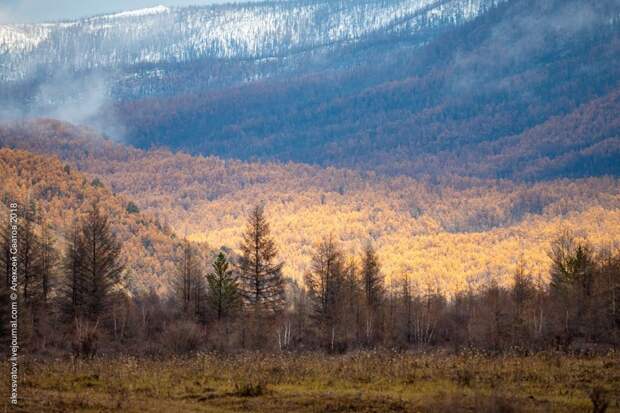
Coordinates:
(26, 11)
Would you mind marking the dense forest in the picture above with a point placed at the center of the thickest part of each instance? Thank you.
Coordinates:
(56, 195)
(117, 313)
(447, 232)
(237, 295)
(78, 286)
(453, 105)
(524, 89)
(313, 206)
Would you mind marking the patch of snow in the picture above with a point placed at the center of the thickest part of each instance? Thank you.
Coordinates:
(139, 12)
(254, 31)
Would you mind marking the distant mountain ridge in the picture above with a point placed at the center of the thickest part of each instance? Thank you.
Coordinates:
(241, 31)
(515, 89)
(462, 103)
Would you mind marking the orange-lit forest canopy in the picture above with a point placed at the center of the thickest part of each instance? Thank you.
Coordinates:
(447, 233)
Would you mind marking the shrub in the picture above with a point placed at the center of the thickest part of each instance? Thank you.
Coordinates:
(249, 389)
(85, 339)
(182, 337)
(132, 208)
(598, 397)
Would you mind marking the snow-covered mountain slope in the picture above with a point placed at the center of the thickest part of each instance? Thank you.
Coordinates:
(241, 31)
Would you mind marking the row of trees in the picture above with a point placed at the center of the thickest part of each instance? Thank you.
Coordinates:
(252, 295)
(83, 288)
(244, 301)
(79, 287)
(345, 302)
(577, 310)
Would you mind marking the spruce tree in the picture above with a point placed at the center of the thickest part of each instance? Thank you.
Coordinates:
(223, 294)
(261, 284)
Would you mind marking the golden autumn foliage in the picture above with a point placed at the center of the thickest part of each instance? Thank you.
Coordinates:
(60, 195)
(447, 233)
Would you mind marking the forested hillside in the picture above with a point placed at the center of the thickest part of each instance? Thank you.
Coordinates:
(312, 206)
(58, 196)
(242, 31)
(517, 89)
(453, 105)
(373, 261)
(448, 233)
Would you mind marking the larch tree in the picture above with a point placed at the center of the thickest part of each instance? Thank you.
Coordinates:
(223, 294)
(49, 262)
(352, 297)
(29, 260)
(189, 284)
(31, 274)
(325, 284)
(610, 280)
(522, 294)
(261, 283)
(101, 265)
(372, 285)
(47, 265)
(407, 304)
(72, 290)
(572, 279)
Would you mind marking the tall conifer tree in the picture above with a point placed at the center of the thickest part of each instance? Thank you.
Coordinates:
(372, 284)
(261, 283)
(102, 268)
(223, 294)
(73, 287)
(190, 285)
(325, 283)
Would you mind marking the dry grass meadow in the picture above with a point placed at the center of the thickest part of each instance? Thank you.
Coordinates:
(359, 382)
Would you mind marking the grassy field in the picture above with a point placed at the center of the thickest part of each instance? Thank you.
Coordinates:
(360, 382)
